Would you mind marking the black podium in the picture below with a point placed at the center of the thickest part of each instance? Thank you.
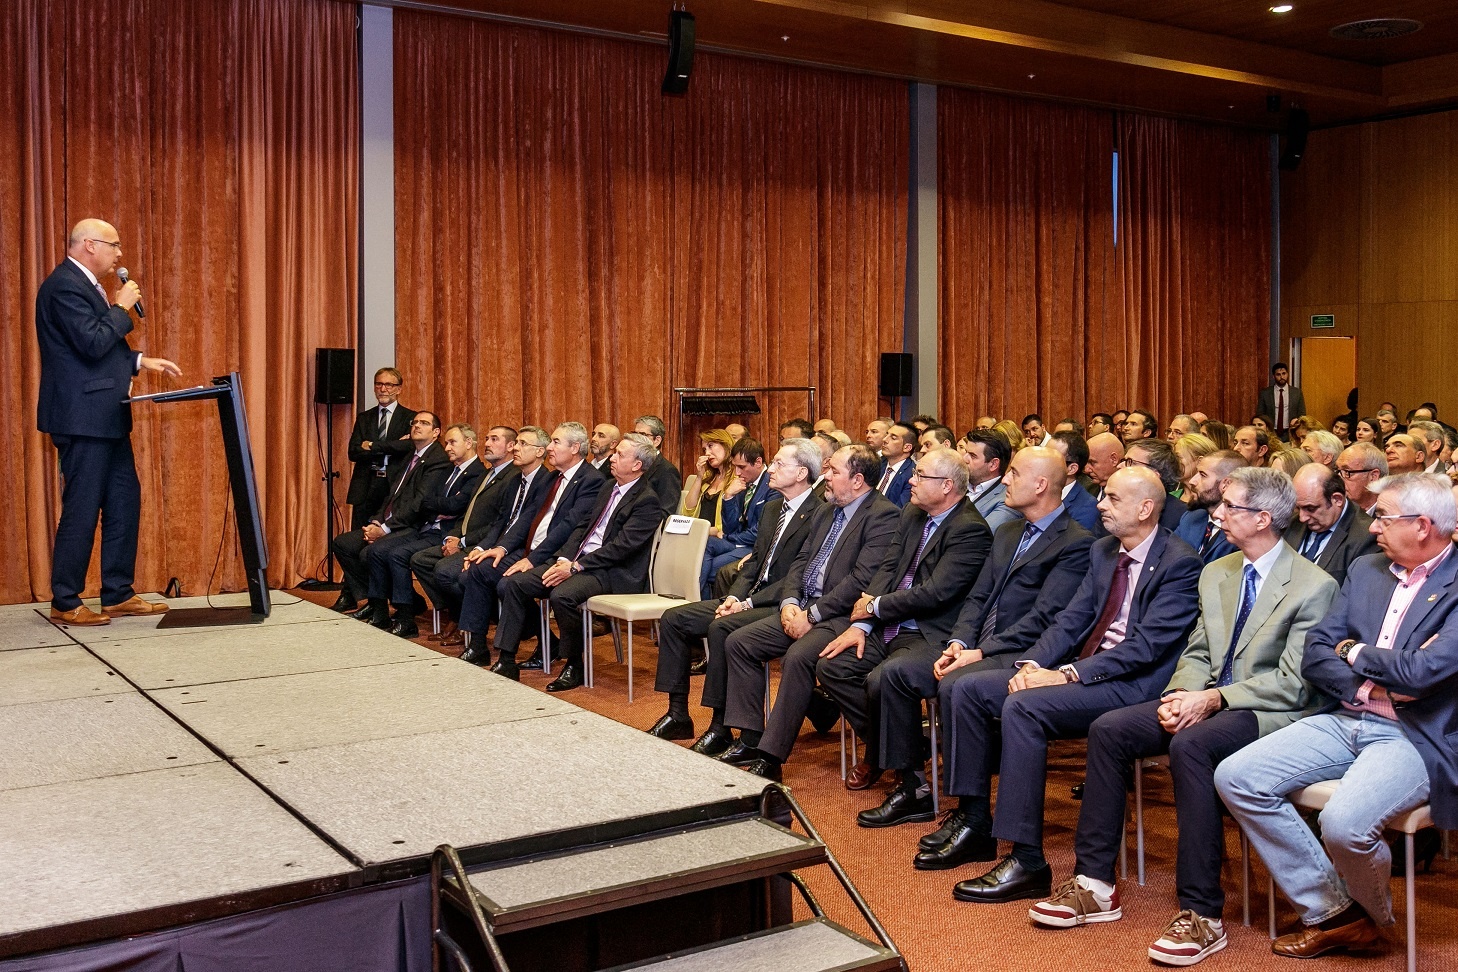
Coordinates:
(227, 390)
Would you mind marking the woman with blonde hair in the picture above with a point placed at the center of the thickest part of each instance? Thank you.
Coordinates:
(1190, 449)
(1301, 426)
(1011, 432)
(1288, 460)
(711, 486)
(1217, 432)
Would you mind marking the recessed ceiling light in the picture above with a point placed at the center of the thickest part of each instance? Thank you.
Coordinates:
(1032, 76)
(1282, 8)
(785, 37)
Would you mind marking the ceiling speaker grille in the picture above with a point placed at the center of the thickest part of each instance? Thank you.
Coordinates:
(1379, 28)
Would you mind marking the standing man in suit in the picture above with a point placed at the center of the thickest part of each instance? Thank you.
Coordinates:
(1036, 564)
(914, 599)
(1281, 400)
(848, 540)
(1080, 505)
(608, 554)
(1388, 652)
(897, 451)
(1198, 527)
(987, 455)
(1116, 644)
(381, 436)
(86, 371)
(1332, 532)
(786, 522)
(662, 475)
(1238, 679)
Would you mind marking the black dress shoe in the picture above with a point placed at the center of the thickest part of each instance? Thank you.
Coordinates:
(951, 820)
(1007, 881)
(507, 668)
(533, 663)
(382, 619)
(670, 728)
(1076, 791)
(347, 602)
(404, 628)
(823, 712)
(365, 612)
(570, 678)
(770, 769)
(714, 741)
(739, 754)
(699, 666)
(901, 806)
(477, 654)
(964, 845)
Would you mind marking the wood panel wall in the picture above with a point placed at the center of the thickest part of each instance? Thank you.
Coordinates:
(1369, 232)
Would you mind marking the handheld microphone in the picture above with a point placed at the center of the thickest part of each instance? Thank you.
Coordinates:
(121, 274)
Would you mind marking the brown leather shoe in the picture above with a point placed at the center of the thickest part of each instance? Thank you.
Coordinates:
(453, 640)
(447, 630)
(80, 615)
(133, 606)
(862, 775)
(1360, 935)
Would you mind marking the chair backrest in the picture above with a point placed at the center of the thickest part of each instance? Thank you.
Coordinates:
(689, 485)
(677, 559)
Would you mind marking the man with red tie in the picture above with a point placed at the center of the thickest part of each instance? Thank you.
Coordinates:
(1281, 400)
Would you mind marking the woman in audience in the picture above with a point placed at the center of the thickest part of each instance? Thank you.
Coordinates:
(1341, 427)
(1012, 433)
(1190, 449)
(1301, 426)
(1264, 423)
(1288, 460)
(1217, 432)
(711, 487)
(1367, 431)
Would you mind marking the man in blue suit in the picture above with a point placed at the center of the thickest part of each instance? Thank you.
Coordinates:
(1080, 505)
(86, 371)
(898, 452)
(1388, 653)
(1197, 527)
(743, 506)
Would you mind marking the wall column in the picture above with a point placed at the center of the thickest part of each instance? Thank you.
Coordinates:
(921, 335)
(377, 199)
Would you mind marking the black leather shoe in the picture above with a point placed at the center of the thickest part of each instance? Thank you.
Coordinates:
(1007, 881)
(382, 619)
(670, 728)
(901, 806)
(347, 602)
(699, 665)
(507, 668)
(951, 820)
(533, 663)
(477, 654)
(570, 678)
(365, 612)
(823, 712)
(714, 741)
(404, 628)
(964, 845)
(739, 754)
(1076, 791)
(770, 769)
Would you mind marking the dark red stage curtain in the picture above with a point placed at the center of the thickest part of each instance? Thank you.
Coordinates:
(221, 139)
(573, 245)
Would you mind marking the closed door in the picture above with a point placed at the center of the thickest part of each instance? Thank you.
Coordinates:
(1327, 372)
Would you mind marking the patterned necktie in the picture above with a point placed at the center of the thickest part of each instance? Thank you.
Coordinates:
(885, 479)
(926, 531)
(1209, 532)
(815, 575)
(989, 623)
(516, 504)
(384, 422)
(390, 506)
(1247, 601)
(775, 544)
(1311, 546)
(607, 511)
(1117, 590)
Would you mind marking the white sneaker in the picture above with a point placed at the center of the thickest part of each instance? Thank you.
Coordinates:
(1188, 940)
(1075, 903)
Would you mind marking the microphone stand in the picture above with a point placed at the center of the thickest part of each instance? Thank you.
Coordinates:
(330, 475)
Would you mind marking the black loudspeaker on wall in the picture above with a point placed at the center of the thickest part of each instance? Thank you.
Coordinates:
(1294, 148)
(680, 52)
(895, 375)
(334, 376)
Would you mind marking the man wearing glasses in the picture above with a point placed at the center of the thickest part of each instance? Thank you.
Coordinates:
(1388, 653)
(1360, 465)
(380, 435)
(86, 372)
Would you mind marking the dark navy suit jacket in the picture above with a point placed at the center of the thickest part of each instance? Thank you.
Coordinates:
(86, 363)
(1081, 507)
(1192, 531)
(898, 490)
(573, 509)
(741, 523)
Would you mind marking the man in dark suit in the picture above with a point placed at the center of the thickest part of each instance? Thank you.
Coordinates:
(1388, 652)
(381, 436)
(1115, 644)
(898, 453)
(663, 475)
(1331, 531)
(915, 596)
(1035, 565)
(754, 594)
(1360, 465)
(86, 372)
(412, 482)
(1158, 456)
(1198, 527)
(1281, 400)
(848, 540)
(1080, 505)
(571, 493)
(1237, 680)
(609, 554)
(440, 510)
(743, 506)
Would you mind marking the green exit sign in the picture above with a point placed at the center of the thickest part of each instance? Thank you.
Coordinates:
(1323, 320)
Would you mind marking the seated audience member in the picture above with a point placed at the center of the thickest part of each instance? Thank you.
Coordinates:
(1115, 645)
(601, 443)
(609, 554)
(1200, 418)
(1266, 424)
(789, 510)
(826, 425)
(1406, 453)
(1198, 526)
(1388, 652)
(1218, 433)
(848, 540)
(796, 428)
(743, 506)
(706, 493)
(1181, 425)
(986, 456)
(1012, 433)
(1322, 447)
(1033, 569)
(440, 514)
(411, 479)
(1189, 450)
(1033, 431)
(502, 493)
(914, 598)
(662, 475)
(1301, 426)
(921, 423)
(1341, 427)
(1387, 423)
(1287, 459)
(1360, 465)
(1098, 424)
(936, 437)
(898, 452)
(736, 431)
(1157, 456)
(1367, 430)
(1120, 416)
(1434, 439)
(1140, 425)
(531, 544)
(1081, 505)
(1426, 412)
(1331, 531)
(1105, 453)
(1238, 679)
(841, 437)
(1254, 443)
(1069, 425)
(985, 422)
(876, 433)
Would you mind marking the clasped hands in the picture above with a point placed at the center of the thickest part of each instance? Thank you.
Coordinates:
(1180, 709)
(557, 573)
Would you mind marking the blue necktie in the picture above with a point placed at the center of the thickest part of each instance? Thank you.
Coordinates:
(815, 576)
(989, 622)
(893, 630)
(1311, 546)
(1247, 601)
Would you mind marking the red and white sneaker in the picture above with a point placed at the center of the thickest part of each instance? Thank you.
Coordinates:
(1189, 939)
(1076, 903)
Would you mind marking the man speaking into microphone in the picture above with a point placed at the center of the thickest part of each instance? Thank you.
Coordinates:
(86, 372)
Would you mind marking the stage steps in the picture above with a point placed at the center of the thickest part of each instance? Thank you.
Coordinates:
(509, 912)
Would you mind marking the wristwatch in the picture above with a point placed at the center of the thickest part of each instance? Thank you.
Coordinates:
(1344, 648)
(1069, 672)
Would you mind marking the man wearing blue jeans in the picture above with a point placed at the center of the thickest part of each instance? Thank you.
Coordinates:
(1388, 652)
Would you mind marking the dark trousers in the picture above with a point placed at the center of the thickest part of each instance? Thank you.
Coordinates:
(389, 563)
(1030, 719)
(725, 578)
(480, 587)
(519, 594)
(749, 648)
(1115, 740)
(845, 679)
(440, 577)
(687, 625)
(98, 480)
(350, 549)
(895, 691)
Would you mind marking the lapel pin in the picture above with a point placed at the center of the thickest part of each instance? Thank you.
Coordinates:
(1432, 598)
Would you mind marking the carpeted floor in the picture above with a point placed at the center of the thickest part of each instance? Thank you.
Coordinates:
(939, 934)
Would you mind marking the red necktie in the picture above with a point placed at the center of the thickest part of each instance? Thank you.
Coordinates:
(542, 513)
(1117, 590)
